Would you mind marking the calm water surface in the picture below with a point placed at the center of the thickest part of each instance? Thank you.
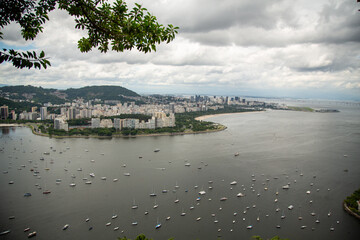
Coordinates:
(275, 148)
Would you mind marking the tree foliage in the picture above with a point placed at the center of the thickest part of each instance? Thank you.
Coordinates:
(109, 26)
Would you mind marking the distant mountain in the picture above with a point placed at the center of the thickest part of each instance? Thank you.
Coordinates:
(36, 94)
(44, 95)
(100, 92)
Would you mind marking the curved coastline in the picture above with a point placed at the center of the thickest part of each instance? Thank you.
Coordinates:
(347, 209)
(201, 118)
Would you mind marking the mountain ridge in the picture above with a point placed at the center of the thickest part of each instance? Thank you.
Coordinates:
(55, 96)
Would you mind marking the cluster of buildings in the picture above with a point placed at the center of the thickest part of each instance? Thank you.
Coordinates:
(162, 111)
(159, 120)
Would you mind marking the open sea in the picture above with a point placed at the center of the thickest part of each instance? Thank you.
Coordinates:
(316, 152)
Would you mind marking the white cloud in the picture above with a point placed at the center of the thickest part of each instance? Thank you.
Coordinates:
(222, 46)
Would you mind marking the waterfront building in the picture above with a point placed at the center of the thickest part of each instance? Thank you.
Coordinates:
(95, 122)
(60, 123)
(43, 113)
(4, 112)
(106, 123)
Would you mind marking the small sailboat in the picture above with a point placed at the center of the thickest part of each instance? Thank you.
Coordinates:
(88, 219)
(282, 215)
(183, 213)
(134, 206)
(158, 225)
(155, 205)
(66, 226)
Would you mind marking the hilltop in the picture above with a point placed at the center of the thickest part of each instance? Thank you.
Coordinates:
(44, 95)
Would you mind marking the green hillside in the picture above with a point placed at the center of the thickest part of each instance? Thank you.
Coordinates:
(30, 93)
(18, 106)
(43, 95)
(101, 92)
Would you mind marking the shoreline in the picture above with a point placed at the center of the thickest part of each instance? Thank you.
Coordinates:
(201, 118)
(348, 210)
(221, 128)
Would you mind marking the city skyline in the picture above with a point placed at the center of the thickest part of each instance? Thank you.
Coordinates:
(302, 49)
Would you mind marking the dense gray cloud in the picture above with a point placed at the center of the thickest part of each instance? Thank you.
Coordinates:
(229, 46)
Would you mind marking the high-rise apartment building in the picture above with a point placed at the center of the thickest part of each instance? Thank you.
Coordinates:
(4, 112)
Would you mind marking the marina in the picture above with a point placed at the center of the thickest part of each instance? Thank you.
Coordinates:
(240, 202)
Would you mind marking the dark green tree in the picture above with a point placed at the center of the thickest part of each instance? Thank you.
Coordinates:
(108, 26)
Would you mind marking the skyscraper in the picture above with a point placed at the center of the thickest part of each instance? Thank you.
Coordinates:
(4, 112)
(43, 113)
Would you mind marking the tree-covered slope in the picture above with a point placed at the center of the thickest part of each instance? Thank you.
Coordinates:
(101, 92)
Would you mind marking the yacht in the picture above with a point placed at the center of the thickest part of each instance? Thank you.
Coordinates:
(223, 199)
(233, 183)
(240, 195)
(66, 226)
(249, 227)
(32, 234)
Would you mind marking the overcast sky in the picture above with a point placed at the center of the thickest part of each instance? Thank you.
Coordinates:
(277, 48)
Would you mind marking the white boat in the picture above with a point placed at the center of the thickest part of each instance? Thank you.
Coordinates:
(223, 199)
(116, 228)
(134, 206)
(88, 219)
(66, 226)
(198, 219)
(92, 174)
(108, 224)
(233, 183)
(103, 178)
(115, 180)
(167, 218)
(286, 186)
(114, 216)
(249, 227)
(236, 154)
(187, 164)
(240, 195)
(88, 182)
(158, 225)
(202, 192)
(290, 207)
(127, 174)
(303, 227)
(134, 223)
(32, 234)
(72, 184)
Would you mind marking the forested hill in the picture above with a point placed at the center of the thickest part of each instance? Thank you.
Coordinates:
(101, 92)
(43, 95)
